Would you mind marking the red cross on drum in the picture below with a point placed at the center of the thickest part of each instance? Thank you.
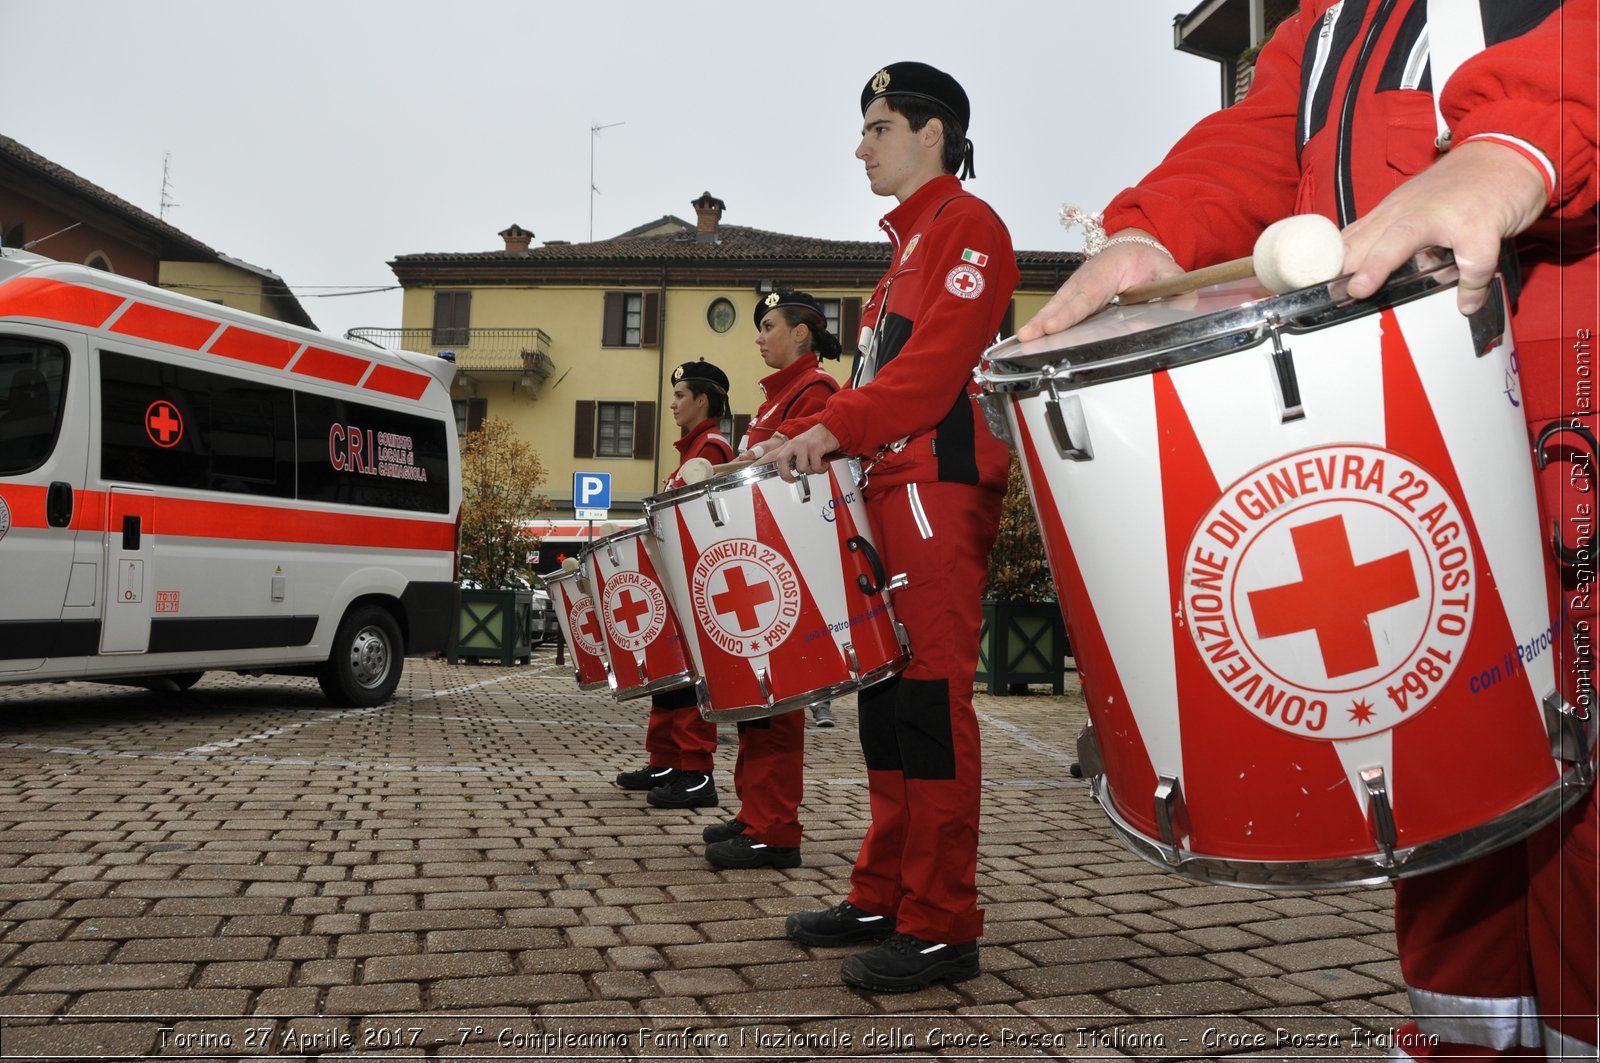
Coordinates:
(573, 602)
(644, 641)
(1298, 547)
(783, 598)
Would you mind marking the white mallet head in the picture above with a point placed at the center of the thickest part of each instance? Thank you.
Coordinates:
(608, 528)
(1297, 252)
(695, 470)
(569, 564)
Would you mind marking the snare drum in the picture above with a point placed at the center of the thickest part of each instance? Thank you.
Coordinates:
(783, 598)
(643, 640)
(1296, 542)
(580, 627)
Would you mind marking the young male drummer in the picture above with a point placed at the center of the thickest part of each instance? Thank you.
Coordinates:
(934, 497)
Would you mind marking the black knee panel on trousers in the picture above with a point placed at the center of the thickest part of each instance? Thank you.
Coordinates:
(905, 726)
(875, 724)
(922, 723)
(677, 698)
(762, 724)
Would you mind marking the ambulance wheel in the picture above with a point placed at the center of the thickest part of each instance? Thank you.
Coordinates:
(367, 657)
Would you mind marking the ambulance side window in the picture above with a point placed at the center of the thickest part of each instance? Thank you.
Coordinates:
(33, 382)
(364, 455)
(175, 426)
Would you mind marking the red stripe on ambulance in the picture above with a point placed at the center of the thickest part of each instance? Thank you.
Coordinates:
(253, 347)
(70, 304)
(165, 326)
(392, 381)
(330, 365)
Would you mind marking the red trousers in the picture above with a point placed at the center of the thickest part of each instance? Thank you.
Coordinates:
(769, 777)
(678, 736)
(919, 733)
(1501, 955)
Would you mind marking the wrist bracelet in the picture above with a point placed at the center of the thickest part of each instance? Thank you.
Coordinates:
(1135, 238)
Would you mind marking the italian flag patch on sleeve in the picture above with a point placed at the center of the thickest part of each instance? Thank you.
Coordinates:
(977, 258)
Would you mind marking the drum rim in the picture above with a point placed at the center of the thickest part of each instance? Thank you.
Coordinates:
(1345, 871)
(1005, 369)
(748, 474)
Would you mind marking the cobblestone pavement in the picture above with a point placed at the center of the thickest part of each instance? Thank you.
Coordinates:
(240, 871)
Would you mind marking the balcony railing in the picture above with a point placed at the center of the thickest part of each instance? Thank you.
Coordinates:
(478, 352)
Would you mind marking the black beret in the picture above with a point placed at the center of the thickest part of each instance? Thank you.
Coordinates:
(702, 370)
(787, 297)
(921, 81)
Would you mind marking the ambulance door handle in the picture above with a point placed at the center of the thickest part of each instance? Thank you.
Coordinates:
(130, 532)
(58, 505)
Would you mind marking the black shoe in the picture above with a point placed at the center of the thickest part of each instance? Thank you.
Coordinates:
(646, 778)
(685, 789)
(745, 851)
(904, 963)
(721, 832)
(843, 924)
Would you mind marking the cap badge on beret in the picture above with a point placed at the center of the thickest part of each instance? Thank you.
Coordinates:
(772, 300)
(677, 374)
(880, 80)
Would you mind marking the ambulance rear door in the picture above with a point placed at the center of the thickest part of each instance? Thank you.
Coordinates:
(44, 418)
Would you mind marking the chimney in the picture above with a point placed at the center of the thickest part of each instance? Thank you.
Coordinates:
(516, 237)
(708, 212)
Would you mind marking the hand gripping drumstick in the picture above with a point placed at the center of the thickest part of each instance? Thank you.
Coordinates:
(1296, 252)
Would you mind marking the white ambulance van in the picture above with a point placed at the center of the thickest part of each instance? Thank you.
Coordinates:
(185, 487)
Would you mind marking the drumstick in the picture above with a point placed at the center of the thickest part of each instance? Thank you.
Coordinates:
(1295, 252)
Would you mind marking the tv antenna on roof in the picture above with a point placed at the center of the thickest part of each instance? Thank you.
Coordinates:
(166, 186)
(594, 134)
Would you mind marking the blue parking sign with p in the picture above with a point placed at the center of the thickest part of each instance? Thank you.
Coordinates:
(591, 490)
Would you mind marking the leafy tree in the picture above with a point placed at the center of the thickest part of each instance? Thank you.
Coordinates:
(500, 476)
(1018, 570)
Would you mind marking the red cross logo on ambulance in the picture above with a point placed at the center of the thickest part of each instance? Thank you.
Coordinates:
(163, 423)
(746, 597)
(585, 626)
(1330, 592)
(636, 610)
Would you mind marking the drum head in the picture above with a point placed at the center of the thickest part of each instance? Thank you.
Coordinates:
(1123, 341)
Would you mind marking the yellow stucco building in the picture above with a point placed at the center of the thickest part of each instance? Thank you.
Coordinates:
(573, 343)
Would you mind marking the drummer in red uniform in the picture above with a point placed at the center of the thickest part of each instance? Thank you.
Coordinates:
(682, 743)
(933, 495)
(769, 774)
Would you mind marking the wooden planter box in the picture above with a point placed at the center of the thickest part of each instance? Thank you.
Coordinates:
(1022, 643)
(495, 624)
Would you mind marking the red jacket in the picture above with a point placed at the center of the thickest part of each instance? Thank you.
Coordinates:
(704, 440)
(1302, 142)
(931, 316)
(798, 390)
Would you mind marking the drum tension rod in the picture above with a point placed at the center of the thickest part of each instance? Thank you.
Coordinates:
(1570, 740)
(719, 516)
(1382, 815)
(1067, 422)
(853, 660)
(1172, 818)
(1288, 381)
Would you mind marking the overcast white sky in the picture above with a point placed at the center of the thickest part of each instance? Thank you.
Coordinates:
(320, 138)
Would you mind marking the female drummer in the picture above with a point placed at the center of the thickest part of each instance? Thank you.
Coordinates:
(680, 742)
(791, 333)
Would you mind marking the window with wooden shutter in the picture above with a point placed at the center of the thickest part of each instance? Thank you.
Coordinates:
(644, 429)
(850, 324)
(650, 320)
(615, 319)
(583, 430)
(470, 414)
(452, 318)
